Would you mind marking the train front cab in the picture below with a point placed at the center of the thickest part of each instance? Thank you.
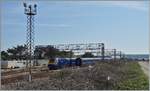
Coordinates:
(52, 65)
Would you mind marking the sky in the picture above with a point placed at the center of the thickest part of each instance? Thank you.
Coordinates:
(123, 25)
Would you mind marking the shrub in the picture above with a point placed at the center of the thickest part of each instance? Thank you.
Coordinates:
(124, 75)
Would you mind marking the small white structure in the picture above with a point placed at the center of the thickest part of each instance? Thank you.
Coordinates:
(8, 64)
(13, 64)
(20, 63)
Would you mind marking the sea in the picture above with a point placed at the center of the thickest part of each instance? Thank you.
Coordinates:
(137, 56)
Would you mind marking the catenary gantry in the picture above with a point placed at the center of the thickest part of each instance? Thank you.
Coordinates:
(98, 49)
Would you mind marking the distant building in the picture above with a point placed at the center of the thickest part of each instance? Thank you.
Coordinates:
(13, 64)
(7, 64)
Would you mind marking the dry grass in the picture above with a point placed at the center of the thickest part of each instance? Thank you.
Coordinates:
(93, 78)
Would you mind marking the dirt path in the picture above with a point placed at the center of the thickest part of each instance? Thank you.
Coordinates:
(145, 67)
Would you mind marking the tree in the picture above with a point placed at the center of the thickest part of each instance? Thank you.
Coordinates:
(87, 54)
(65, 54)
(46, 52)
(18, 52)
(38, 53)
(12, 52)
(21, 52)
(50, 52)
(4, 55)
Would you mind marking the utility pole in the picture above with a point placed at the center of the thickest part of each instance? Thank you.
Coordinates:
(103, 51)
(30, 11)
(70, 58)
(114, 54)
(120, 54)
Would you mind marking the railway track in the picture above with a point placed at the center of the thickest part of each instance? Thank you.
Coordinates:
(38, 73)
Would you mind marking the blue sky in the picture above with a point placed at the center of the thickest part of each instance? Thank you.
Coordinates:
(119, 24)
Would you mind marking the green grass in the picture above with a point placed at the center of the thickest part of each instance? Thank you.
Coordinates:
(134, 78)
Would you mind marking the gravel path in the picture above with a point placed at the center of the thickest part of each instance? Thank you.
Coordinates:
(145, 67)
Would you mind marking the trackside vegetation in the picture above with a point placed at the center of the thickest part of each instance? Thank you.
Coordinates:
(134, 78)
(123, 75)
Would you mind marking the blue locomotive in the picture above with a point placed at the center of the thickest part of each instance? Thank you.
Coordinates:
(58, 63)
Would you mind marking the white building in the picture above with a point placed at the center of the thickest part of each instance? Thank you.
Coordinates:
(20, 63)
(13, 64)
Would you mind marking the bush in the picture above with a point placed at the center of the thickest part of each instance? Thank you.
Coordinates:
(124, 75)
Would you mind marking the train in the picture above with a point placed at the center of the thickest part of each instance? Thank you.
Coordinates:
(58, 63)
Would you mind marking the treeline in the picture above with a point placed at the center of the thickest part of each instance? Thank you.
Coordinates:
(14, 53)
(20, 53)
(50, 52)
